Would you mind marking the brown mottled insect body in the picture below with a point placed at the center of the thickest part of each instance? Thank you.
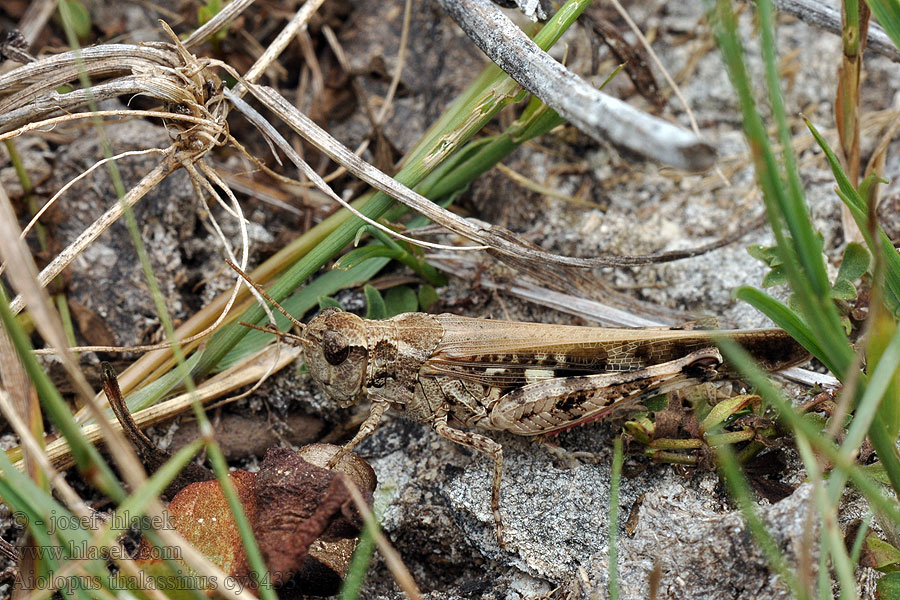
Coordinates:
(453, 372)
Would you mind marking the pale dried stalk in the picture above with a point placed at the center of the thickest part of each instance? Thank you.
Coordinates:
(597, 114)
(54, 102)
(53, 121)
(274, 50)
(314, 177)
(103, 60)
(23, 275)
(236, 377)
(228, 13)
(69, 496)
(64, 258)
(391, 557)
(506, 244)
(49, 204)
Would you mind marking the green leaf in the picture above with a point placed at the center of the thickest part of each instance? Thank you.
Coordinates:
(883, 554)
(767, 254)
(725, 409)
(876, 471)
(360, 255)
(758, 252)
(328, 302)
(363, 230)
(657, 403)
(784, 318)
(208, 11)
(859, 209)
(79, 17)
(846, 324)
(400, 299)
(777, 276)
(867, 185)
(843, 290)
(883, 329)
(888, 587)
(428, 296)
(375, 308)
(887, 13)
(854, 262)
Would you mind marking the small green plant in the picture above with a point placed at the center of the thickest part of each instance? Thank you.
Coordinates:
(814, 315)
(205, 13)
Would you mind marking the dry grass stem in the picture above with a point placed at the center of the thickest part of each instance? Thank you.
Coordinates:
(599, 115)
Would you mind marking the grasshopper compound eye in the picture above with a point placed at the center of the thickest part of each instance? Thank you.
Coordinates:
(335, 347)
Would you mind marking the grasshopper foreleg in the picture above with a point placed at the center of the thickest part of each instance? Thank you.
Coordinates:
(368, 426)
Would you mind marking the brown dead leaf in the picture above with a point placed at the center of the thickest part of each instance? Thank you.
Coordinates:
(299, 502)
(201, 514)
(290, 503)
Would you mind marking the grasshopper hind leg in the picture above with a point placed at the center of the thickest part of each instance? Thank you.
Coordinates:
(484, 444)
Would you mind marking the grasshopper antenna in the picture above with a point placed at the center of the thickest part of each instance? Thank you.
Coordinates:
(263, 293)
(269, 328)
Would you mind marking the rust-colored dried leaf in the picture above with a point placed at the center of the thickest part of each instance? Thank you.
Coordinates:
(291, 504)
(201, 514)
(297, 503)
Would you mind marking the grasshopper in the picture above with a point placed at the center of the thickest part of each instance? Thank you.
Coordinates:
(455, 374)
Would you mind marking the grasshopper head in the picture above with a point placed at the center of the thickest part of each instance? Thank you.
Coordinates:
(334, 343)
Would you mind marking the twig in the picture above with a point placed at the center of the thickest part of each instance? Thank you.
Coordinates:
(278, 45)
(90, 234)
(597, 114)
(228, 13)
(829, 18)
(505, 244)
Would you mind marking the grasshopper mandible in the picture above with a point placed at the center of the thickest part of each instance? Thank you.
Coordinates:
(456, 373)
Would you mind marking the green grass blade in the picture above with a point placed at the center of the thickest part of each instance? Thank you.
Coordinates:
(87, 458)
(614, 483)
(800, 252)
(887, 13)
(866, 484)
(881, 243)
(740, 492)
(784, 317)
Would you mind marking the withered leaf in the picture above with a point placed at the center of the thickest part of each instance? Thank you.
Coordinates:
(201, 514)
(290, 504)
(299, 502)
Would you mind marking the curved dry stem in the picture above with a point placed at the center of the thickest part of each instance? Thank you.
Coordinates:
(53, 121)
(93, 231)
(78, 178)
(308, 171)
